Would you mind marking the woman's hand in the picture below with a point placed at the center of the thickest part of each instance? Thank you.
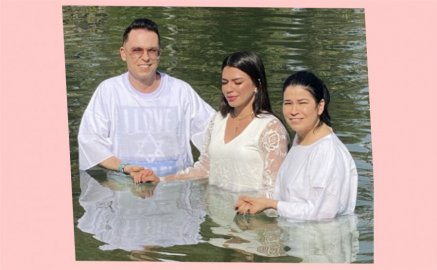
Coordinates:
(242, 206)
(250, 205)
(143, 176)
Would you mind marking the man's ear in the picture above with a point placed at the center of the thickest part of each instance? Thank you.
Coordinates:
(123, 53)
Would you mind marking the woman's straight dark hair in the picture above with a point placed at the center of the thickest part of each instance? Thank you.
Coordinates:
(251, 64)
(315, 86)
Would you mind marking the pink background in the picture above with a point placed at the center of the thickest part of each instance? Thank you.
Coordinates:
(36, 206)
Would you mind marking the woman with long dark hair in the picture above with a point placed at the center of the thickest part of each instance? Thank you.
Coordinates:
(246, 142)
(318, 179)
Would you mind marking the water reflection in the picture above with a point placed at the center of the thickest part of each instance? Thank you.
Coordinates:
(130, 217)
(143, 219)
(331, 42)
(253, 235)
(333, 241)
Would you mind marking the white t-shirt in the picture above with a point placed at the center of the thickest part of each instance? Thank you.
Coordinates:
(247, 163)
(317, 181)
(152, 130)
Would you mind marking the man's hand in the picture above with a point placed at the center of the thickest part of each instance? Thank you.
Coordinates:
(132, 168)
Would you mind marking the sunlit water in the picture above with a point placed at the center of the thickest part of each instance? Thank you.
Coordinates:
(331, 42)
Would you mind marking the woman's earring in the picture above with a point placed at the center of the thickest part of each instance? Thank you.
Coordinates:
(256, 90)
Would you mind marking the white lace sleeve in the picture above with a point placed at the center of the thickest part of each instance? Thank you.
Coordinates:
(200, 168)
(274, 145)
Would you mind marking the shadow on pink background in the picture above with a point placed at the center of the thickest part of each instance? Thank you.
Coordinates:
(36, 210)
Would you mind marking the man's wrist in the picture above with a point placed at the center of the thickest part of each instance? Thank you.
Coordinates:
(121, 167)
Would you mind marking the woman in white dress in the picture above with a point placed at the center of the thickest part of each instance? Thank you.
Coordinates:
(246, 143)
(318, 178)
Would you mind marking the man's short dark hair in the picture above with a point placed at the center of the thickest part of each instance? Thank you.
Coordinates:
(142, 23)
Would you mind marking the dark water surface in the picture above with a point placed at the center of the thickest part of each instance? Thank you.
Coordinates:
(115, 220)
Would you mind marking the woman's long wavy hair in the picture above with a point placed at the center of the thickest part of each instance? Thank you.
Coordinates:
(251, 64)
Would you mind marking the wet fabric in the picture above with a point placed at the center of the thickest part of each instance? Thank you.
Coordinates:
(249, 162)
(151, 130)
(317, 181)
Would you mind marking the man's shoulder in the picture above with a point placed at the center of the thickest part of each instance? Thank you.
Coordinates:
(173, 81)
(111, 84)
(113, 80)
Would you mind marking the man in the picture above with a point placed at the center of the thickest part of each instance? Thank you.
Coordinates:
(143, 118)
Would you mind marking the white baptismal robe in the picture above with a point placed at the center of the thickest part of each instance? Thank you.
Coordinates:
(147, 129)
(247, 163)
(317, 181)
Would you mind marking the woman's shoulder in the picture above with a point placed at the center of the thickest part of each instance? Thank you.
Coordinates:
(269, 121)
(323, 144)
(330, 147)
(217, 119)
(271, 130)
(267, 117)
(330, 140)
(218, 116)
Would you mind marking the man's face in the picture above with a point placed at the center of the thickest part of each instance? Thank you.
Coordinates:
(141, 54)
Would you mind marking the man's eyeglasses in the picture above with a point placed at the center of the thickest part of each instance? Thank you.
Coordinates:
(153, 53)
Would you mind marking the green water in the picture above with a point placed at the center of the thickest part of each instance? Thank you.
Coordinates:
(331, 42)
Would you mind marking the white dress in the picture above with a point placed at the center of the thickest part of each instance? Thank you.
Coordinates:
(247, 163)
(151, 130)
(317, 181)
